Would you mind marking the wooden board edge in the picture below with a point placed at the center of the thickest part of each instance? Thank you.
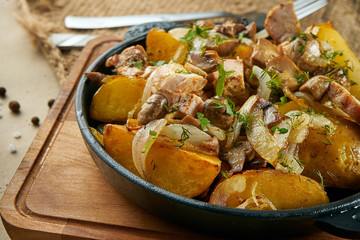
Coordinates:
(13, 211)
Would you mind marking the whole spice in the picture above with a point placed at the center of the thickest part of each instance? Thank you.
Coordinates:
(14, 106)
(51, 102)
(2, 91)
(35, 121)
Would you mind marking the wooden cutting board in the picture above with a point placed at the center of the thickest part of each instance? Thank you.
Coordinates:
(59, 193)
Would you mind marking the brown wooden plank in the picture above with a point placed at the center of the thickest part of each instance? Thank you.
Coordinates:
(58, 192)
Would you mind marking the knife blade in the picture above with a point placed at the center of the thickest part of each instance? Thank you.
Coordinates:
(70, 40)
(78, 22)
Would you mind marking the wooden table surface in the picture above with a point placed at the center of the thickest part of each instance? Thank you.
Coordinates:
(59, 193)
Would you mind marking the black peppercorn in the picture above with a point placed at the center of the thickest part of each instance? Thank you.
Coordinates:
(51, 102)
(35, 121)
(14, 106)
(2, 91)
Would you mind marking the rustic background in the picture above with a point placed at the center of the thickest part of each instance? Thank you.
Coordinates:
(43, 17)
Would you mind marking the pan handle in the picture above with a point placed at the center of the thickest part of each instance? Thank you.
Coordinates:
(343, 224)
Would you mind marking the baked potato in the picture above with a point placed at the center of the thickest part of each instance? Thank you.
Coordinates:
(177, 170)
(113, 100)
(272, 189)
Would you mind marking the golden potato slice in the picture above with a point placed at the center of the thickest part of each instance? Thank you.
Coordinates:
(117, 143)
(115, 99)
(326, 32)
(179, 171)
(273, 188)
(160, 45)
(243, 52)
(337, 157)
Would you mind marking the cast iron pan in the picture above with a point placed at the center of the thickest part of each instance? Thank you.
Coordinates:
(340, 217)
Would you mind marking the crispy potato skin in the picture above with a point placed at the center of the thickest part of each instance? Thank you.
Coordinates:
(179, 171)
(284, 190)
(113, 100)
(339, 162)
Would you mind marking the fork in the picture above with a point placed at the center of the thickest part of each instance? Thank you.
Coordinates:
(302, 8)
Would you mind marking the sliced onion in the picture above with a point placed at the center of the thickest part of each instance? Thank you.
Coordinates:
(299, 125)
(196, 136)
(142, 143)
(217, 132)
(263, 78)
(288, 162)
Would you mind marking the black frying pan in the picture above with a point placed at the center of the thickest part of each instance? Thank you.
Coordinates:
(340, 217)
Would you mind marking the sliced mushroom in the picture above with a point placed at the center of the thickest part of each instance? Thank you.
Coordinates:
(286, 70)
(229, 28)
(152, 109)
(225, 48)
(281, 22)
(206, 61)
(264, 50)
(215, 111)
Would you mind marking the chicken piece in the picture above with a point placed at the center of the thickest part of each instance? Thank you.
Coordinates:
(189, 104)
(148, 71)
(215, 111)
(131, 62)
(195, 70)
(344, 100)
(317, 86)
(206, 61)
(174, 79)
(211, 146)
(281, 22)
(286, 70)
(234, 87)
(306, 52)
(237, 156)
(191, 121)
(230, 29)
(251, 30)
(154, 108)
(263, 51)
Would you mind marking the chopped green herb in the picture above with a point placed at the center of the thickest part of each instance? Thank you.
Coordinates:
(225, 174)
(230, 106)
(321, 179)
(158, 63)
(352, 83)
(221, 79)
(192, 33)
(138, 64)
(154, 134)
(281, 130)
(182, 71)
(204, 122)
(218, 40)
(283, 100)
(185, 135)
(300, 162)
(329, 55)
(246, 119)
(301, 78)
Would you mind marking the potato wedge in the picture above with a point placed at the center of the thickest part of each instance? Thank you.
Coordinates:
(160, 45)
(113, 100)
(326, 32)
(179, 171)
(338, 159)
(275, 188)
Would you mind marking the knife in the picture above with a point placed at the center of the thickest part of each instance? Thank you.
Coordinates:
(77, 22)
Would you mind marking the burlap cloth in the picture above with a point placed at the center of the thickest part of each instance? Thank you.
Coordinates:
(43, 17)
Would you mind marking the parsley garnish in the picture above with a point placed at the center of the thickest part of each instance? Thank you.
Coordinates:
(221, 79)
(204, 122)
(230, 106)
(281, 130)
(182, 71)
(154, 134)
(158, 63)
(301, 78)
(218, 40)
(225, 174)
(138, 64)
(321, 179)
(192, 33)
(329, 55)
(327, 130)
